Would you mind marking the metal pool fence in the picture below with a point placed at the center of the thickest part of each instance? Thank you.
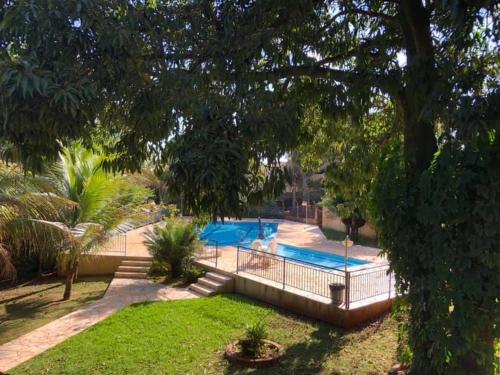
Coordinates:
(116, 244)
(210, 252)
(343, 287)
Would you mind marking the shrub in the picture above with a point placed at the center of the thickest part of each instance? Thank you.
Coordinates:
(253, 343)
(192, 274)
(158, 268)
(201, 221)
(173, 244)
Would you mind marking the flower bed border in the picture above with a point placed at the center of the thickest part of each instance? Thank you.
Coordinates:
(234, 355)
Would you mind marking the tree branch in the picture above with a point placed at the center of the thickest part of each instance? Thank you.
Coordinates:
(313, 71)
(382, 16)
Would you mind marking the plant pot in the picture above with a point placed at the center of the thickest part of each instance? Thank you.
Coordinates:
(337, 292)
(274, 352)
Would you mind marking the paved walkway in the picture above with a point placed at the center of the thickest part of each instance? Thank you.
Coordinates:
(121, 293)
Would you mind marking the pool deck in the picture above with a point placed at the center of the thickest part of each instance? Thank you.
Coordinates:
(311, 236)
(305, 236)
(268, 283)
(289, 233)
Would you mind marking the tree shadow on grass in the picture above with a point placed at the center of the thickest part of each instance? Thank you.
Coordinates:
(24, 307)
(304, 357)
(38, 291)
(37, 308)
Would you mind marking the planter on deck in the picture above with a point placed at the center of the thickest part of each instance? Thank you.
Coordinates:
(337, 291)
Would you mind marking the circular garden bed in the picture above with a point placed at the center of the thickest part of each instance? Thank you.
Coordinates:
(270, 354)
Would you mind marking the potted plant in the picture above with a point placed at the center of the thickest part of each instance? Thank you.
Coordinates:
(337, 291)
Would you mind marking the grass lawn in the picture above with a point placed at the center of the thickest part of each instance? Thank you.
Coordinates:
(33, 304)
(189, 337)
(335, 235)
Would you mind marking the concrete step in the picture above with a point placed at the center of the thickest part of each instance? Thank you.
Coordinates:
(130, 275)
(138, 258)
(139, 269)
(211, 283)
(218, 277)
(202, 289)
(136, 263)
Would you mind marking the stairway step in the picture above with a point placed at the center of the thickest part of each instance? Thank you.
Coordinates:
(211, 283)
(139, 269)
(138, 258)
(202, 289)
(136, 263)
(218, 277)
(130, 275)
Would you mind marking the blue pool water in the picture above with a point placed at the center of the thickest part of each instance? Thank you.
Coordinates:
(244, 233)
(237, 233)
(316, 257)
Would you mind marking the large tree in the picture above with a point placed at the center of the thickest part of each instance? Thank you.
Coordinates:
(218, 87)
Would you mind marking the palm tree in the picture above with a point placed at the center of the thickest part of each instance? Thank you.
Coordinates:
(174, 244)
(103, 202)
(22, 200)
(96, 203)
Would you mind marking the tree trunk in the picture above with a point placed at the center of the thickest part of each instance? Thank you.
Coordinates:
(472, 362)
(305, 189)
(419, 140)
(70, 278)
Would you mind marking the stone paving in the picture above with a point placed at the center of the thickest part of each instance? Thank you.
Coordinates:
(121, 293)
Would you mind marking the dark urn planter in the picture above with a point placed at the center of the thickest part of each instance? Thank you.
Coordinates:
(337, 291)
(272, 353)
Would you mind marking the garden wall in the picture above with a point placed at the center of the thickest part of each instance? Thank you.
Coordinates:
(332, 221)
(327, 312)
(301, 302)
(94, 265)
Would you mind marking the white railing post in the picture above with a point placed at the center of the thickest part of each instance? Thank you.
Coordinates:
(347, 288)
(284, 275)
(216, 253)
(237, 258)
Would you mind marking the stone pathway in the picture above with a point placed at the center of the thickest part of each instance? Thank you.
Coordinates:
(121, 293)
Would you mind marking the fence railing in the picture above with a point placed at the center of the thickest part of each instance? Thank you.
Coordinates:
(150, 218)
(310, 214)
(343, 287)
(210, 252)
(116, 244)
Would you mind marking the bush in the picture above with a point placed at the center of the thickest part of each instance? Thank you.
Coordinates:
(158, 268)
(253, 343)
(201, 221)
(173, 244)
(192, 274)
(452, 294)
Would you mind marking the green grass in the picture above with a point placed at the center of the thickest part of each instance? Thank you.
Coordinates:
(33, 304)
(335, 235)
(189, 337)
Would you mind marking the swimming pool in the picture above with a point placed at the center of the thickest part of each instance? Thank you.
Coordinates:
(237, 233)
(317, 257)
(243, 233)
